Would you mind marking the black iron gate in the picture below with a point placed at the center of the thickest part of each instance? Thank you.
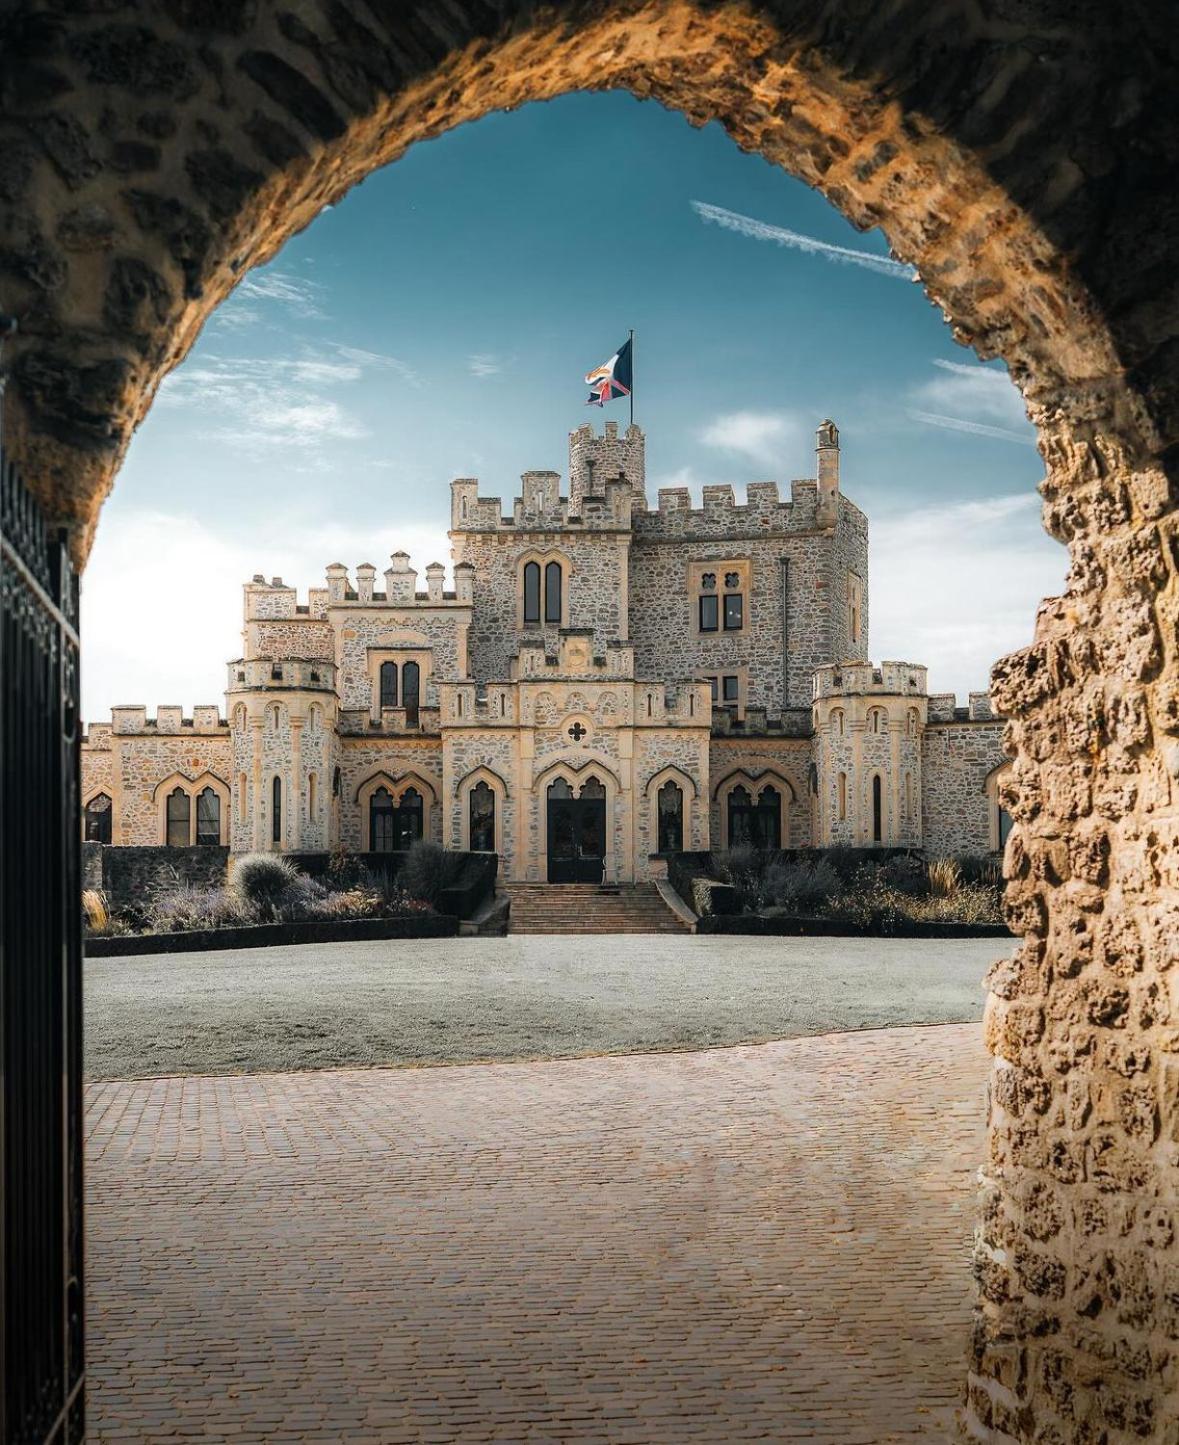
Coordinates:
(41, 1305)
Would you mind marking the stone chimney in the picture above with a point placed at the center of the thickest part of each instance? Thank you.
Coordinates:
(827, 455)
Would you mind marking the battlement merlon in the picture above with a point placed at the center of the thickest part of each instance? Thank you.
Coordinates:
(944, 708)
(859, 679)
(541, 508)
(169, 720)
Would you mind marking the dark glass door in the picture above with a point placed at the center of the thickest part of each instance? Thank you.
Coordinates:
(577, 833)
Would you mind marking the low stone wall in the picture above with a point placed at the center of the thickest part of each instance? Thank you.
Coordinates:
(754, 923)
(270, 935)
(130, 875)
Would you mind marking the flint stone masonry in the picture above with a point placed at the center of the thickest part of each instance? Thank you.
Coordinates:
(149, 156)
(958, 760)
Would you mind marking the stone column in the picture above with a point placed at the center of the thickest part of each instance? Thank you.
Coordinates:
(294, 826)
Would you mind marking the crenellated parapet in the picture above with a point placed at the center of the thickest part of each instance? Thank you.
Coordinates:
(857, 679)
(131, 719)
(263, 674)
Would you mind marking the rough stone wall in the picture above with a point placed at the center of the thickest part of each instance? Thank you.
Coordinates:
(1019, 156)
(98, 765)
(595, 460)
(358, 629)
(130, 875)
(956, 760)
(302, 637)
(494, 748)
(134, 768)
(359, 761)
(662, 620)
(790, 758)
(596, 586)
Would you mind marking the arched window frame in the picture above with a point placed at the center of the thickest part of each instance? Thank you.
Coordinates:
(193, 787)
(103, 819)
(499, 792)
(691, 818)
(542, 560)
(397, 787)
(996, 813)
(596, 766)
(755, 784)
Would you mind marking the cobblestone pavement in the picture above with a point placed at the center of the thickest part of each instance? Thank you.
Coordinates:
(766, 1242)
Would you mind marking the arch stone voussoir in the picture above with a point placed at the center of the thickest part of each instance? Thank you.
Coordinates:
(1020, 157)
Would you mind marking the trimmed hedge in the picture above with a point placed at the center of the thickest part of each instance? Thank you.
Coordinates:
(269, 935)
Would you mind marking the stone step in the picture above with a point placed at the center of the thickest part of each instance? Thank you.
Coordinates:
(589, 908)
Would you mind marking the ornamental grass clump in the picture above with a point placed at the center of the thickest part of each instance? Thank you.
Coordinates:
(264, 881)
(427, 870)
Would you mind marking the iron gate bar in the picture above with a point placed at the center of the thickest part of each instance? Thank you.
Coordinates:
(41, 1279)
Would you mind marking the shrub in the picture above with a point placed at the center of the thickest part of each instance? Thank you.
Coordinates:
(944, 877)
(263, 880)
(803, 887)
(94, 905)
(906, 874)
(985, 868)
(710, 896)
(181, 908)
(427, 870)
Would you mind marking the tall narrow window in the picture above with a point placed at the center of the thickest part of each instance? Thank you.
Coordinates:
(841, 792)
(768, 824)
(312, 799)
(407, 828)
(709, 611)
(740, 817)
(671, 818)
(241, 797)
(380, 821)
(482, 816)
(552, 592)
(734, 612)
(276, 810)
(532, 592)
(411, 681)
(388, 684)
(98, 819)
(178, 812)
(877, 809)
(208, 818)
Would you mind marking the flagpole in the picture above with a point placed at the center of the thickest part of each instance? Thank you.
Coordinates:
(632, 376)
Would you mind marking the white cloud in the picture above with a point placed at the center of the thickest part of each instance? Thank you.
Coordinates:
(163, 594)
(764, 437)
(485, 363)
(957, 586)
(260, 403)
(978, 400)
(782, 236)
(296, 293)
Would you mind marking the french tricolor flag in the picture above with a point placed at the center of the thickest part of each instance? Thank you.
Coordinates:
(613, 380)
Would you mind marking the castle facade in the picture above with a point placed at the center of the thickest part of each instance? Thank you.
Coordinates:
(604, 683)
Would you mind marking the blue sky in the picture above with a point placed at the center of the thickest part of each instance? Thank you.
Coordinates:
(438, 322)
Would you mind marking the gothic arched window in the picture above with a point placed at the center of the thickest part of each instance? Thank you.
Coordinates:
(98, 819)
(380, 821)
(408, 825)
(877, 809)
(740, 822)
(208, 817)
(532, 592)
(411, 682)
(482, 818)
(178, 814)
(276, 810)
(388, 686)
(552, 592)
(671, 818)
(768, 823)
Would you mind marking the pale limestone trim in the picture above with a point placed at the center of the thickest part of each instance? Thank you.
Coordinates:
(463, 790)
(991, 784)
(675, 774)
(542, 556)
(755, 782)
(593, 766)
(193, 787)
(397, 788)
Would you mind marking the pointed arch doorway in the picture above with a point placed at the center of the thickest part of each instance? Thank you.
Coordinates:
(576, 831)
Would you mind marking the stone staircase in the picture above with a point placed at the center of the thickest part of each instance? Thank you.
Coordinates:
(589, 908)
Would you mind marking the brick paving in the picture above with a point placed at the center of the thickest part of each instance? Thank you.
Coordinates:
(766, 1242)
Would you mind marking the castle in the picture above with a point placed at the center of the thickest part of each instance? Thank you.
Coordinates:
(604, 684)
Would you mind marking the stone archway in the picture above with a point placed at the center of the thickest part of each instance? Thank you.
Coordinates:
(1016, 155)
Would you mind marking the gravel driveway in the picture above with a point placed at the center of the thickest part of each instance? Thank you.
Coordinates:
(438, 1001)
